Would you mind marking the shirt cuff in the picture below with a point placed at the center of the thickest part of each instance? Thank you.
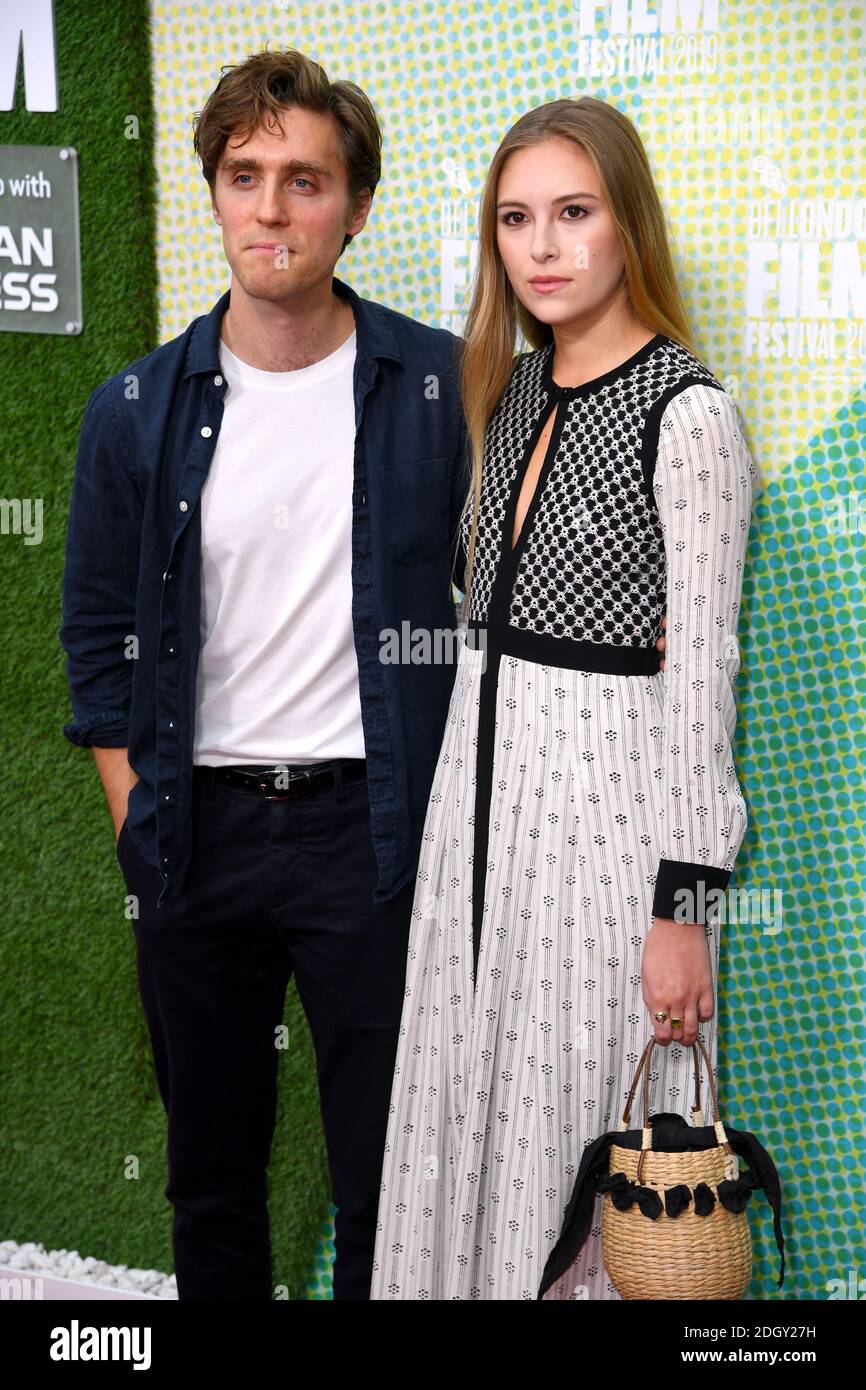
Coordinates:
(108, 729)
(686, 892)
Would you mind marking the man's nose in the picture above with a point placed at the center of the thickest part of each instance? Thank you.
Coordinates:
(272, 204)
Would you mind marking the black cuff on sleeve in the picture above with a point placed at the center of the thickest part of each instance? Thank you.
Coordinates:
(685, 892)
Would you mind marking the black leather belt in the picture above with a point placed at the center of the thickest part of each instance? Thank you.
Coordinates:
(277, 783)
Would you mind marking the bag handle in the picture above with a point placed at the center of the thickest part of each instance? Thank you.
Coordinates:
(646, 1132)
(696, 1108)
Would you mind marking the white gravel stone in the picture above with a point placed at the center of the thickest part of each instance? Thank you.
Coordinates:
(68, 1264)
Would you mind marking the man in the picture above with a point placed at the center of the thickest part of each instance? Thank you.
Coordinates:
(255, 503)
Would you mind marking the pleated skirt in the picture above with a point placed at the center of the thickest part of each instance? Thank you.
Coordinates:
(500, 1085)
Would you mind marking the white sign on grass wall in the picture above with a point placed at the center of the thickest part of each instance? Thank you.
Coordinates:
(40, 252)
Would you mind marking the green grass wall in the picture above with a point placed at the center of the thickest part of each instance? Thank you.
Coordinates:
(79, 1096)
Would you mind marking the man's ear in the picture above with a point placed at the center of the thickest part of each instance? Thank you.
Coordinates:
(361, 211)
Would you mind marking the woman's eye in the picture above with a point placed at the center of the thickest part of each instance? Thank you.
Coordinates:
(572, 207)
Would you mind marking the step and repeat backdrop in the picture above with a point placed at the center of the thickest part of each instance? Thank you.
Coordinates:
(753, 119)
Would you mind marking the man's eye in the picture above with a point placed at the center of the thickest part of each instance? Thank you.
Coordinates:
(306, 183)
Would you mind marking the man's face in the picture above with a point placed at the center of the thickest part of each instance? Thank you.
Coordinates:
(282, 200)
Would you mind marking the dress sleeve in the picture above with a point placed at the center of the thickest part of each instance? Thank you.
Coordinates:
(702, 486)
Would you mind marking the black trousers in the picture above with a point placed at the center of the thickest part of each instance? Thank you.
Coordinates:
(274, 888)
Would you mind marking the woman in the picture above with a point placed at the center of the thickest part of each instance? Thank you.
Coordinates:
(584, 805)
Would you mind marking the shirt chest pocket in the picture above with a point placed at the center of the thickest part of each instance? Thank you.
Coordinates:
(417, 509)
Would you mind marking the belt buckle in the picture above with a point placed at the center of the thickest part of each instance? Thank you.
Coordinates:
(301, 776)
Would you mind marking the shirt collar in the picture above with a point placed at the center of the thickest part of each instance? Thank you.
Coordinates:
(376, 337)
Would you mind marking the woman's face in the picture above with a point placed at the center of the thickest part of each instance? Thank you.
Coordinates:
(558, 243)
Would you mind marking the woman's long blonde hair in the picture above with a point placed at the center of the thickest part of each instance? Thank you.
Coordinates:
(609, 139)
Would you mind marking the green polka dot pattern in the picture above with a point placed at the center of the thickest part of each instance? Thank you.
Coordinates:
(765, 111)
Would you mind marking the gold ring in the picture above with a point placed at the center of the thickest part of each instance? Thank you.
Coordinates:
(659, 1015)
(676, 1023)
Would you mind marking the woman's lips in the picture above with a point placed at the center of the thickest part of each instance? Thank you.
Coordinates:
(548, 286)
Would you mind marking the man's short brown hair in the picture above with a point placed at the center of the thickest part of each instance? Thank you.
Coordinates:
(265, 84)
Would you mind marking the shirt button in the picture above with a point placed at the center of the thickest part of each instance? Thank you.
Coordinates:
(217, 381)
(206, 432)
(167, 796)
(183, 505)
(171, 651)
(171, 723)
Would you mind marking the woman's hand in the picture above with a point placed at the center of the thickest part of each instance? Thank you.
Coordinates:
(676, 977)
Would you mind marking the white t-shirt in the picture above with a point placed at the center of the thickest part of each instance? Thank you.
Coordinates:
(277, 676)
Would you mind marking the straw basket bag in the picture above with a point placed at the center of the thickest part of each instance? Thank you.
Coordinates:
(704, 1251)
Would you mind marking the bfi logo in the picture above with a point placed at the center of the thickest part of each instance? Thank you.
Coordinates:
(648, 16)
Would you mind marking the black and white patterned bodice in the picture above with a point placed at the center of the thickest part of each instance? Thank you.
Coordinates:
(591, 566)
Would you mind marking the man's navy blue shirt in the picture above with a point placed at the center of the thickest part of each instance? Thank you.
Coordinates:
(131, 602)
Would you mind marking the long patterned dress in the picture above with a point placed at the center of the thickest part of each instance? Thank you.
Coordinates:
(578, 790)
